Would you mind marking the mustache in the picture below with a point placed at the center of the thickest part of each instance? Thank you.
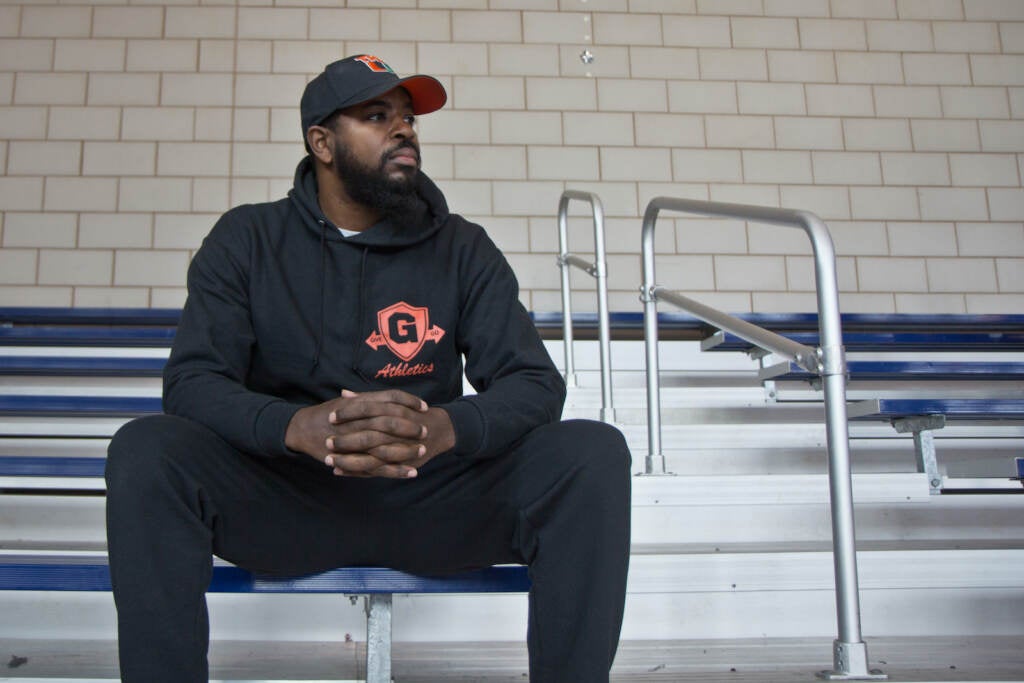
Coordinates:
(409, 145)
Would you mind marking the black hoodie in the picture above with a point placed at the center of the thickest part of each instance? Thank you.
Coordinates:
(284, 312)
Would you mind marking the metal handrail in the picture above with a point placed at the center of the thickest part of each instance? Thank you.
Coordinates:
(828, 360)
(598, 270)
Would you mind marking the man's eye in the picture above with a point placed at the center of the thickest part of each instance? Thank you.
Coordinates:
(410, 119)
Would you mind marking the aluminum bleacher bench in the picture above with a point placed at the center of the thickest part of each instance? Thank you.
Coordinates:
(35, 471)
(922, 416)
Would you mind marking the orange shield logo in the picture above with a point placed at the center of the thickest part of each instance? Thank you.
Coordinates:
(404, 329)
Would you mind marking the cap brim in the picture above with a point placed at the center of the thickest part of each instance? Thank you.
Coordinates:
(426, 92)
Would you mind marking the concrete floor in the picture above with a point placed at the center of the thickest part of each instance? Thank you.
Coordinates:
(735, 661)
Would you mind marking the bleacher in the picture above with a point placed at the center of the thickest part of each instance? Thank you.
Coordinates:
(734, 545)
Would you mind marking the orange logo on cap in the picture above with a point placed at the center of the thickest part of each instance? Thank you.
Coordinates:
(375, 64)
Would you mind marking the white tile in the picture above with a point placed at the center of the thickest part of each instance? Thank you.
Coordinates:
(930, 303)
(200, 159)
(877, 134)
(529, 127)
(915, 169)
(730, 7)
(49, 229)
(869, 67)
(470, 196)
(77, 54)
(711, 236)
(757, 195)
(777, 167)
(23, 122)
(771, 98)
(944, 135)
(576, 94)
(493, 26)
(119, 158)
(706, 165)
(1002, 136)
(694, 31)
(974, 102)
(150, 267)
(561, 27)
(127, 22)
(962, 275)
(43, 158)
(80, 194)
(750, 273)
(991, 170)
(522, 60)
(115, 230)
(802, 66)
(157, 123)
(250, 90)
(75, 266)
(994, 303)
(670, 130)
(627, 29)
(199, 22)
(777, 239)
(663, 62)
(740, 131)
(953, 204)
(181, 230)
(488, 92)
(1010, 273)
(840, 100)
(886, 203)
(84, 123)
(1007, 10)
(52, 21)
(587, 128)
(900, 36)
(504, 162)
(907, 101)
(891, 274)
(155, 194)
(111, 297)
(808, 132)
(401, 24)
(877, 9)
(447, 126)
(614, 94)
(776, 33)
(859, 238)
(702, 98)
(997, 69)
(18, 266)
(797, 8)
(341, 23)
(990, 239)
(832, 34)
(26, 54)
(640, 164)
(270, 159)
(49, 88)
(930, 9)
(937, 69)
(735, 64)
(1006, 204)
(522, 198)
(828, 203)
(964, 36)
(15, 295)
(922, 239)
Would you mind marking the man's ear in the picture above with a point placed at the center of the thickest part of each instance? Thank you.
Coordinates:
(318, 140)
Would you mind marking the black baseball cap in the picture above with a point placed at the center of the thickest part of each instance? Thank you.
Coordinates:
(359, 78)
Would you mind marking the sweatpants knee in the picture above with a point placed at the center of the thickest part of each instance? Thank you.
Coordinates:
(140, 449)
(595, 445)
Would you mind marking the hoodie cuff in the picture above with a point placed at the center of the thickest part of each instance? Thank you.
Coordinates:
(271, 426)
(469, 426)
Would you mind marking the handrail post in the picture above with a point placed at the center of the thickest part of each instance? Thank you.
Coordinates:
(599, 270)
(850, 659)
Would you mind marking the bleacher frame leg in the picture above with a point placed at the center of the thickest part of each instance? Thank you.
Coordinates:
(851, 662)
(378, 638)
(921, 427)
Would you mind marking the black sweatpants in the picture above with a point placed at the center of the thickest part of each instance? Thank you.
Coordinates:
(177, 494)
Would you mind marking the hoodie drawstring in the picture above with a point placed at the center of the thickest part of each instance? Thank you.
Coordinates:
(323, 296)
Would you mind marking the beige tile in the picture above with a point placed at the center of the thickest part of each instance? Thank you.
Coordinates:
(127, 22)
(663, 62)
(702, 97)
(111, 297)
(953, 204)
(115, 230)
(869, 67)
(733, 64)
(640, 164)
(167, 297)
(694, 31)
(562, 27)
(846, 168)
(1010, 273)
(493, 26)
(757, 195)
(803, 66)
(1006, 204)
(212, 123)
(488, 92)
(458, 127)
(527, 127)
(469, 59)
(937, 69)
(199, 159)
(576, 94)
(877, 134)
(50, 229)
(150, 268)
(771, 98)
(43, 158)
(211, 194)
(49, 88)
(162, 55)
(522, 60)
(801, 277)
(776, 33)
(900, 36)
(964, 36)
(468, 196)
(877, 9)
(907, 101)
(273, 23)
(35, 296)
(797, 8)
(264, 90)
(23, 122)
(991, 170)
(915, 169)
(832, 34)
(80, 194)
(251, 124)
(892, 274)
(425, 25)
(285, 125)
(994, 303)
(84, 123)
(158, 123)
(1011, 36)
(750, 273)
(930, 303)
(999, 10)
(922, 239)
(75, 267)
(334, 24)
(730, 7)
(119, 159)
(181, 230)
(619, 199)
(840, 100)
(627, 29)
(122, 89)
(777, 167)
(522, 198)
(616, 129)
(859, 238)
(828, 203)
(1002, 136)
(990, 239)
(75, 54)
(559, 163)
(740, 131)
(886, 203)
(962, 275)
(711, 236)
(944, 136)
(155, 194)
(506, 162)
(808, 132)
(10, 21)
(26, 54)
(6, 88)
(254, 56)
(616, 94)
(669, 130)
(56, 22)
(216, 55)
(930, 9)
(18, 266)
(199, 22)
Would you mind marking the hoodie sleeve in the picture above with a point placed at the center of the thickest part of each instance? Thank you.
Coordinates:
(518, 386)
(204, 379)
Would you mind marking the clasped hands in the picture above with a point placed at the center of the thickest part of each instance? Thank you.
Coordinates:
(376, 434)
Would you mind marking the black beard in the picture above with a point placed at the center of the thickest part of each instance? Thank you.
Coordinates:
(396, 199)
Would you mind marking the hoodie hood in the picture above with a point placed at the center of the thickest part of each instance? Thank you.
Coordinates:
(384, 234)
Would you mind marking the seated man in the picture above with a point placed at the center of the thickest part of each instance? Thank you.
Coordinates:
(315, 417)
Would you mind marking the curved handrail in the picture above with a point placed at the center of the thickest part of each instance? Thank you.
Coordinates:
(598, 270)
(850, 652)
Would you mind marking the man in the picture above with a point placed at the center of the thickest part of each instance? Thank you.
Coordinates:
(314, 415)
